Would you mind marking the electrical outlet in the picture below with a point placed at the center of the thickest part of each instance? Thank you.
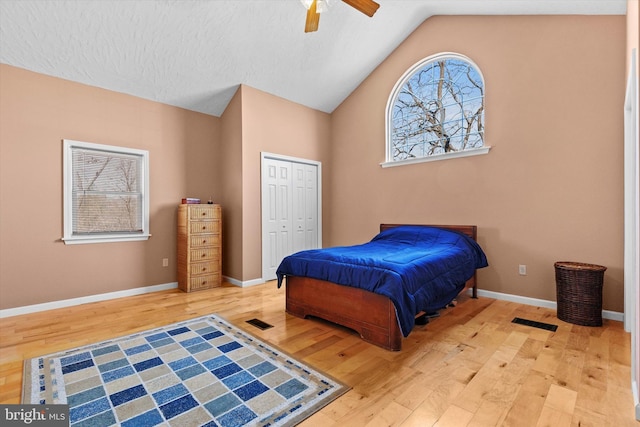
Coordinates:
(522, 270)
(165, 262)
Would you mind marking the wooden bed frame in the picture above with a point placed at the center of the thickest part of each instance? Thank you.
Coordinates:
(373, 316)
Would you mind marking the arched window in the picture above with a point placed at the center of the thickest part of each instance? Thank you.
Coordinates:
(436, 111)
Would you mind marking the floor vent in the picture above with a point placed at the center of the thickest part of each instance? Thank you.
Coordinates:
(259, 324)
(533, 323)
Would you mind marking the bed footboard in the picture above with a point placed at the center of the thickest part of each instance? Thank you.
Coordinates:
(373, 316)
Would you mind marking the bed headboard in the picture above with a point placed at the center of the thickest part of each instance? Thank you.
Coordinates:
(468, 230)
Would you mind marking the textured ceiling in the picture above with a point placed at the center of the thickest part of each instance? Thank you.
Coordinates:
(195, 54)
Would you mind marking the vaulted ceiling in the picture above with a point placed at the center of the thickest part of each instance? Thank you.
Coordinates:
(195, 54)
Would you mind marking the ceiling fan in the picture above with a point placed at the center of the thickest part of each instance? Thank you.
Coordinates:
(315, 7)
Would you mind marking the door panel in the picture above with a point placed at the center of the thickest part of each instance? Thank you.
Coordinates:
(311, 207)
(276, 214)
(299, 195)
(290, 200)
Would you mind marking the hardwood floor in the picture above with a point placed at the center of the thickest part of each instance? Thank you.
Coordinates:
(469, 367)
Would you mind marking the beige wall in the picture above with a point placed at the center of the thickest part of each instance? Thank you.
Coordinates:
(191, 154)
(252, 123)
(230, 175)
(274, 125)
(36, 113)
(551, 187)
(256, 122)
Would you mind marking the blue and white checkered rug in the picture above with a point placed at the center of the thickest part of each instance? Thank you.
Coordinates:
(201, 372)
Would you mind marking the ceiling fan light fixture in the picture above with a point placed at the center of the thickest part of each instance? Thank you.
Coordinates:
(321, 5)
(315, 7)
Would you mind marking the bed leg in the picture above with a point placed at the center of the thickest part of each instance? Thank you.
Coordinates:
(423, 319)
(474, 292)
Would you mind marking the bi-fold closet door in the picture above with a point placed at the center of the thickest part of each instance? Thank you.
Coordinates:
(290, 209)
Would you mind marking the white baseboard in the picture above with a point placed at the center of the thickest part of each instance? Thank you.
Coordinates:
(606, 314)
(242, 284)
(636, 398)
(83, 300)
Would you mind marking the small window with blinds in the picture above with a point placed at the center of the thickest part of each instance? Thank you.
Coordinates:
(105, 193)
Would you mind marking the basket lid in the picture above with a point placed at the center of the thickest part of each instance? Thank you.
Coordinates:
(570, 265)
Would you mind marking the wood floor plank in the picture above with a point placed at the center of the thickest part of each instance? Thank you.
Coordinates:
(414, 392)
(469, 366)
(568, 372)
(550, 417)
(435, 404)
(561, 399)
(528, 404)
(454, 415)
(489, 414)
(391, 415)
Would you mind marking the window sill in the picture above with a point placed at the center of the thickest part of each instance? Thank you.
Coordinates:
(77, 240)
(436, 157)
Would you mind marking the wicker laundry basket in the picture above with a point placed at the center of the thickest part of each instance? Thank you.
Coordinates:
(579, 292)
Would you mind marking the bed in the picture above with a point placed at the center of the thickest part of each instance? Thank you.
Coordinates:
(378, 288)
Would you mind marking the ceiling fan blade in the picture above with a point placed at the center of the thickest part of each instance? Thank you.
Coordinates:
(368, 7)
(313, 18)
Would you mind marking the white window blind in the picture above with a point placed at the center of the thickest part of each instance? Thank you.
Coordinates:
(105, 193)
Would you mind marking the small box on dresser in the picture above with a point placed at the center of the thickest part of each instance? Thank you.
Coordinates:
(199, 246)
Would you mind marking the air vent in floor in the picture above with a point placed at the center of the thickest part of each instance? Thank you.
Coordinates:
(533, 323)
(259, 324)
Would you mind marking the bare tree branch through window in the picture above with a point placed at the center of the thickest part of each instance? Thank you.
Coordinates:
(438, 109)
(106, 196)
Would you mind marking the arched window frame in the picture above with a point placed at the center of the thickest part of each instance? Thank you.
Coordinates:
(484, 149)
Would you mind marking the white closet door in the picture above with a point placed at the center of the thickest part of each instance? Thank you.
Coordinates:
(290, 210)
(277, 214)
(305, 206)
(312, 195)
(299, 193)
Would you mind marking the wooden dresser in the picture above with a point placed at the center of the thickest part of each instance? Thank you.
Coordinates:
(199, 247)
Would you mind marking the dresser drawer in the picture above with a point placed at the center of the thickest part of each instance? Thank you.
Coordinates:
(204, 282)
(204, 212)
(200, 227)
(207, 267)
(203, 240)
(204, 254)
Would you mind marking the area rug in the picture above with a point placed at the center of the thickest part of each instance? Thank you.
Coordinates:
(201, 372)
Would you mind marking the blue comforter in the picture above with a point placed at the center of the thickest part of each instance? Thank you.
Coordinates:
(419, 268)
